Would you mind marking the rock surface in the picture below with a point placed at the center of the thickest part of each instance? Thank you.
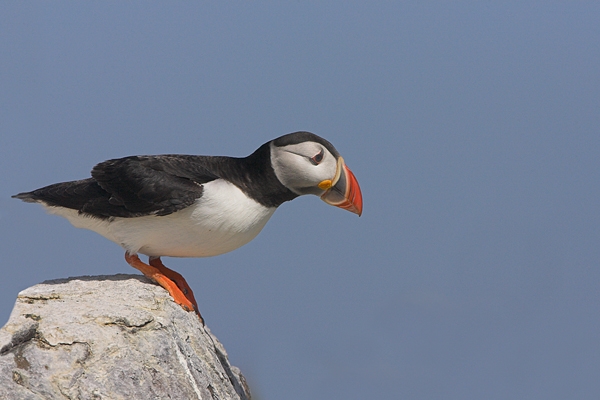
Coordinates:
(110, 337)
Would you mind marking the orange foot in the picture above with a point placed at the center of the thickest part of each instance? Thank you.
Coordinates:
(172, 281)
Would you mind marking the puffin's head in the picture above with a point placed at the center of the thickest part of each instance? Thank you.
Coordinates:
(308, 164)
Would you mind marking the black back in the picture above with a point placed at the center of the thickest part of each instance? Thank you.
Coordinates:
(160, 185)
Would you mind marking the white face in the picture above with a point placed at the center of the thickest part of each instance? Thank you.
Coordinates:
(301, 167)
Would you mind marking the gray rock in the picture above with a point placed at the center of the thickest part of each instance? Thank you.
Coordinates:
(110, 337)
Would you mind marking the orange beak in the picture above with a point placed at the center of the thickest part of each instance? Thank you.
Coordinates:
(343, 191)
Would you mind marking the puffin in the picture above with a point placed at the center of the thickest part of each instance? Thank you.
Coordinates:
(177, 205)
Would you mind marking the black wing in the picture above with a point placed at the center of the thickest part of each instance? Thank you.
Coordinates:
(132, 187)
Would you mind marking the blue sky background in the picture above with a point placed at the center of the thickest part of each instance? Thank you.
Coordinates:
(472, 127)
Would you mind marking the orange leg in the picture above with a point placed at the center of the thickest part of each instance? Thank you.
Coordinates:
(177, 278)
(168, 279)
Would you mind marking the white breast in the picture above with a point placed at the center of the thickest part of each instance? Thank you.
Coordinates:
(222, 220)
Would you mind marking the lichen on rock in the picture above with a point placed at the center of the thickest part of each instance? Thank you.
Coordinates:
(110, 337)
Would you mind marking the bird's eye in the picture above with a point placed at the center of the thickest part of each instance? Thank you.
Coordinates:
(317, 159)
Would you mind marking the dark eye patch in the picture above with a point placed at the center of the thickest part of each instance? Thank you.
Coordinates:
(317, 158)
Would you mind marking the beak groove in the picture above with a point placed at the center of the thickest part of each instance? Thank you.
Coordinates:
(345, 192)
